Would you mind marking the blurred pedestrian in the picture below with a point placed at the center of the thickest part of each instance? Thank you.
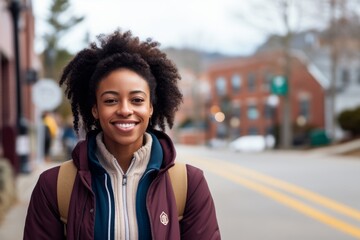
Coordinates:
(123, 91)
(50, 133)
(69, 137)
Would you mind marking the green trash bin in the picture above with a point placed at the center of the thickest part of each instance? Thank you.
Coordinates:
(318, 137)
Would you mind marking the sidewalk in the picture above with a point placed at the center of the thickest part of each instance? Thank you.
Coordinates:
(340, 149)
(12, 226)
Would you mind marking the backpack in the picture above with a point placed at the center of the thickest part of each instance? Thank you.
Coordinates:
(66, 179)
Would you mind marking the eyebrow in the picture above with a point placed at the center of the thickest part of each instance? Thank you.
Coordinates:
(116, 93)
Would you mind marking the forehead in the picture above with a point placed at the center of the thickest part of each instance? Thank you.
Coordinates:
(123, 79)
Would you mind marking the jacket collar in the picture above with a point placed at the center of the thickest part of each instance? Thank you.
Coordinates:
(162, 151)
(167, 147)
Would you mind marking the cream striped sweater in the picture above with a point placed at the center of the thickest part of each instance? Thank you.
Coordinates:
(125, 185)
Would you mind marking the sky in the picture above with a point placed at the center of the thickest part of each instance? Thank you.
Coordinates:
(209, 25)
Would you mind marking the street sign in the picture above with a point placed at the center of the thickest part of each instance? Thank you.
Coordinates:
(46, 94)
(279, 85)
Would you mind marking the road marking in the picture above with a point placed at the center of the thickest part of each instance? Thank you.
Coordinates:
(226, 170)
(314, 197)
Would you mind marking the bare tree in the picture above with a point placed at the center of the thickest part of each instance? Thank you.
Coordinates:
(338, 19)
(59, 23)
(285, 17)
(342, 32)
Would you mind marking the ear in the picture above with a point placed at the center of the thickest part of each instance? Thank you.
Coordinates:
(151, 110)
(95, 112)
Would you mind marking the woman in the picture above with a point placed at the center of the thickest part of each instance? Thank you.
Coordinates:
(121, 91)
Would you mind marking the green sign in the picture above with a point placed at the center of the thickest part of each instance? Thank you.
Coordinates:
(279, 85)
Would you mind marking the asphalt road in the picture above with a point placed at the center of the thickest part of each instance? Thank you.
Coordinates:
(271, 195)
(281, 195)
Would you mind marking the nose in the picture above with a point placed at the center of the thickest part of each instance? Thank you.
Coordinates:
(124, 109)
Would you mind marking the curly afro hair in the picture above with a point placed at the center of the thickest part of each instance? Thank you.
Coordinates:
(121, 50)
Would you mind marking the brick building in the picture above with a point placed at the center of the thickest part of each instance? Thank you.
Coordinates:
(189, 121)
(8, 82)
(240, 90)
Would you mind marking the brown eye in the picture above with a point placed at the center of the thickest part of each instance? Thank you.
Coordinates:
(138, 100)
(110, 101)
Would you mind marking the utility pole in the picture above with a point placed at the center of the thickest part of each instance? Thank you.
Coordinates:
(286, 128)
(14, 7)
(22, 139)
(333, 65)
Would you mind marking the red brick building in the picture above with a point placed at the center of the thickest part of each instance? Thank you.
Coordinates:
(8, 84)
(240, 90)
(192, 111)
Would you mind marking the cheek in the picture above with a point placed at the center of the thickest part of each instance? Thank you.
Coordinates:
(105, 113)
(148, 112)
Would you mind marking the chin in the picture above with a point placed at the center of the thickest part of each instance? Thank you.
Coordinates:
(131, 140)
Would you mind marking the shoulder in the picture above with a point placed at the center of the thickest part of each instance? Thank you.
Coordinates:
(194, 173)
(45, 190)
(48, 180)
(50, 174)
(43, 220)
(199, 220)
(196, 180)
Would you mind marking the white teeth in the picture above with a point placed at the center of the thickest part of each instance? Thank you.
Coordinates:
(125, 125)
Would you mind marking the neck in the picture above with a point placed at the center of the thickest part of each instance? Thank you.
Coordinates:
(124, 159)
(123, 153)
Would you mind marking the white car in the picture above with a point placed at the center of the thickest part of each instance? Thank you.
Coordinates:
(251, 143)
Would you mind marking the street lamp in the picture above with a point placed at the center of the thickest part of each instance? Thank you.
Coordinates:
(22, 140)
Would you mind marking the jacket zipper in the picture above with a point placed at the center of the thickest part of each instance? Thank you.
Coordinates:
(126, 216)
(109, 202)
(124, 198)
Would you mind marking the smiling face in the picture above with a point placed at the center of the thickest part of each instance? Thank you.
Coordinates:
(123, 109)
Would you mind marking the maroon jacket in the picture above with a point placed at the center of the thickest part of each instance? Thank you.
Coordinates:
(199, 221)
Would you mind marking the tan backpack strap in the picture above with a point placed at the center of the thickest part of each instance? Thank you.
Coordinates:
(65, 183)
(178, 177)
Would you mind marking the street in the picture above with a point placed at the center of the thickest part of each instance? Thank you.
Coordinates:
(281, 195)
(278, 195)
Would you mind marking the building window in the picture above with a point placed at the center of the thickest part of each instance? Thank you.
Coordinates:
(268, 111)
(252, 112)
(304, 108)
(267, 81)
(345, 78)
(236, 83)
(270, 130)
(236, 110)
(221, 130)
(310, 39)
(235, 120)
(251, 82)
(253, 131)
(221, 86)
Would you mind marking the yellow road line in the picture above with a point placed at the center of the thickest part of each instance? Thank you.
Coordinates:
(224, 171)
(314, 197)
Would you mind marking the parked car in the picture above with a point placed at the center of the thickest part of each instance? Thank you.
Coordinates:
(251, 143)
